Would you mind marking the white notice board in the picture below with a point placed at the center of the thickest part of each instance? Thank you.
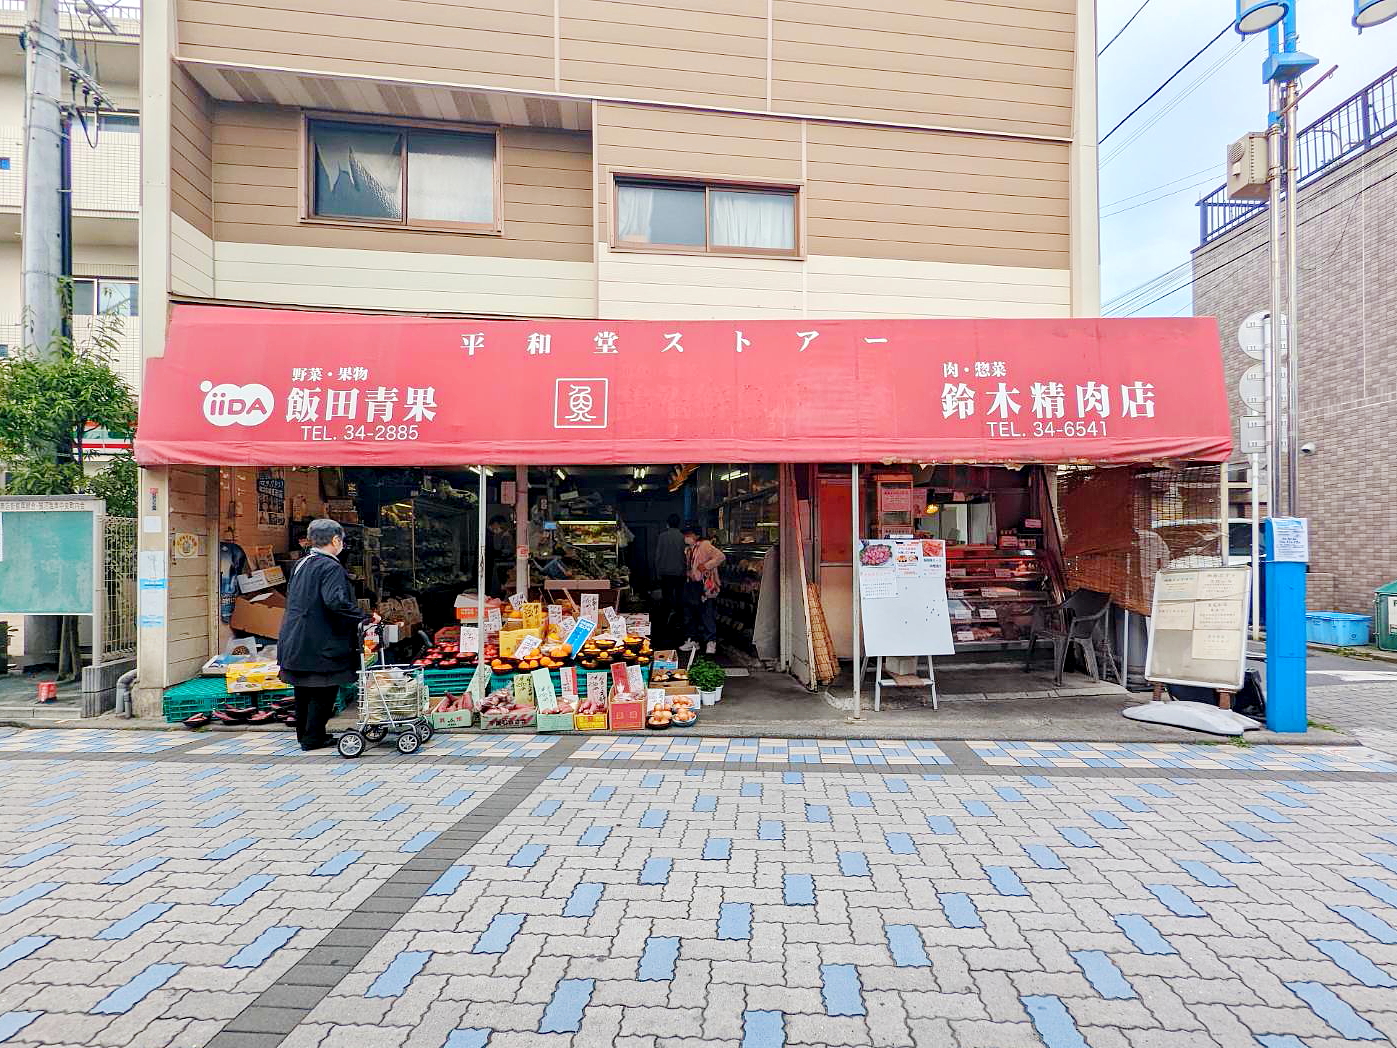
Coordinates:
(902, 596)
(1198, 627)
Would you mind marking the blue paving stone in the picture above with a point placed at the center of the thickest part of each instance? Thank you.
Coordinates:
(255, 953)
(132, 923)
(653, 819)
(297, 803)
(763, 1029)
(798, 889)
(468, 1037)
(941, 826)
(1368, 922)
(841, 990)
(1106, 820)
(1353, 962)
(420, 840)
(124, 998)
(658, 959)
(1228, 852)
(895, 785)
(717, 848)
(1039, 782)
(1132, 804)
(1204, 874)
(900, 844)
(47, 824)
(977, 808)
(1178, 903)
(793, 778)
(1144, 935)
(1155, 790)
(1267, 814)
(1005, 881)
(656, 871)
(389, 813)
(22, 948)
(34, 892)
(1250, 832)
(57, 798)
(1053, 1022)
(499, 933)
(136, 869)
(315, 829)
(526, 856)
(20, 861)
(136, 809)
(456, 797)
(1335, 1012)
(1076, 837)
(771, 830)
(960, 910)
(583, 900)
(853, 864)
(564, 1011)
(12, 1023)
(426, 776)
(594, 836)
(280, 781)
(751, 789)
(735, 920)
(705, 802)
(906, 946)
(1387, 862)
(546, 808)
(1008, 793)
(213, 822)
(817, 813)
(603, 793)
(1044, 857)
(450, 879)
(1377, 889)
(559, 773)
(227, 851)
(652, 780)
(338, 864)
(1105, 978)
(365, 788)
(859, 799)
(1285, 800)
(1279, 1040)
(400, 972)
(213, 794)
(244, 889)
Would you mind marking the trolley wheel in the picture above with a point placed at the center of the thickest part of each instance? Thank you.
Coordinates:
(350, 744)
(425, 729)
(408, 742)
(376, 732)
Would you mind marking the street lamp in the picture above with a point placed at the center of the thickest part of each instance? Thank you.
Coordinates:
(1368, 13)
(1254, 16)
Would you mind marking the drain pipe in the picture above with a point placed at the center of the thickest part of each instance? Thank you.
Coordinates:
(124, 685)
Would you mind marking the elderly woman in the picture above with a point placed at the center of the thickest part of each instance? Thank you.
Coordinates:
(319, 644)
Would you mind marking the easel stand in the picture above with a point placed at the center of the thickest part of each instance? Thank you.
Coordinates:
(1224, 696)
(899, 680)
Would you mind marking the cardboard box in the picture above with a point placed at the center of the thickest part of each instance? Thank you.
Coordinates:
(509, 720)
(253, 675)
(625, 713)
(454, 719)
(589, 721)
(555, 722)
(259, 615)
(679, 687)
(263, 578)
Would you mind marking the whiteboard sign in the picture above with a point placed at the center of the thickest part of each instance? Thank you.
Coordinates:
(902, 597)
(1198, 624)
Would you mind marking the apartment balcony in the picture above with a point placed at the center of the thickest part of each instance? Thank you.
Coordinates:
(106, 179)
(126, 18)
(124, 334)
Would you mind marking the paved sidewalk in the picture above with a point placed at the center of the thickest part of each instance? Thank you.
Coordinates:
(173, 890)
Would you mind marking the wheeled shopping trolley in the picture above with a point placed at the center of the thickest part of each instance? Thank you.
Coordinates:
(393, 700)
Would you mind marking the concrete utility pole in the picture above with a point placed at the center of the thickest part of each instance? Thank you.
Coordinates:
(43, 166)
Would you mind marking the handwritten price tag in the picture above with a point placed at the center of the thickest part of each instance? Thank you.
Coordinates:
(590, 603)
(492, 621)
(470, 639)
(516, 601)
(527, 647)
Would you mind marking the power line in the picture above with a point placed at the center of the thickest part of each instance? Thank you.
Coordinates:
(1197, 54)
(1164, 185)
(1123, 28)
(1156, 199)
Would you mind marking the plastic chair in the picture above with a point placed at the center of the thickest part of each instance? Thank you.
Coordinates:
(1079, 621)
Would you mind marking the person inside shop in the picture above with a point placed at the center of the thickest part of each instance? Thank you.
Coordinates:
(318, 648)
(499, 555)
(701, 590)
(557, 565)
(671, 565)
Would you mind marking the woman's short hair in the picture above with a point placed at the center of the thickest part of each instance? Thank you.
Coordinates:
(323, 532)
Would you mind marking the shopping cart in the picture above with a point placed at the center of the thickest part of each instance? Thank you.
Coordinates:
(393, 700)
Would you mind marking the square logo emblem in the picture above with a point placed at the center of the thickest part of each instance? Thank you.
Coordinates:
(580, 403)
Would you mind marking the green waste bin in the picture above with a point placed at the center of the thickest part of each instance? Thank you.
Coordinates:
(1385, 616)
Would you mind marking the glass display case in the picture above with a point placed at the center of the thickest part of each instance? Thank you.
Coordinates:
(598, 540)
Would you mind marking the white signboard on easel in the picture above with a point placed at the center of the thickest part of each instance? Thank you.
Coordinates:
(902, 597)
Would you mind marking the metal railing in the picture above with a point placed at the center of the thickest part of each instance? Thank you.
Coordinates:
(119, 625)
(106, 180)
(12, 12)
(1352, 127)
(121, 337)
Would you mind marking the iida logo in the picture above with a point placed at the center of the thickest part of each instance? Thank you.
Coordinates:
(227, 404)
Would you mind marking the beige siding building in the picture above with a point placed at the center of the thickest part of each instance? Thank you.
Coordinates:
(656, 159)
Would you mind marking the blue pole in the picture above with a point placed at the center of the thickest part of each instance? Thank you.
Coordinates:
(1285, 639)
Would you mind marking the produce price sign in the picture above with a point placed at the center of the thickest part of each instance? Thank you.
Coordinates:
(1198, 627)
(902, 597)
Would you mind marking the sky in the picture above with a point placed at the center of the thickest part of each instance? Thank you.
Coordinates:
(1171, 153)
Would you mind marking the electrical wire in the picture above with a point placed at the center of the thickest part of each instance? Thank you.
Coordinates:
(1168, 80)
(1123, 28)
(1164, 185)
(1162, 196)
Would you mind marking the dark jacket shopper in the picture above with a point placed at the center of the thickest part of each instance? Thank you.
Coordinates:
(671, 564)
(319, 644)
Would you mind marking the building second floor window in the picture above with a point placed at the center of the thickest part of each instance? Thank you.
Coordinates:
(402, 175)
(719, 218)
(113, 298)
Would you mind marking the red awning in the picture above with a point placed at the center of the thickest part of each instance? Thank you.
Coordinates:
(241, 386)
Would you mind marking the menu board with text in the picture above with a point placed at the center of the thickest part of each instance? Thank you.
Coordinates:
(1198, 627)
(902, 597)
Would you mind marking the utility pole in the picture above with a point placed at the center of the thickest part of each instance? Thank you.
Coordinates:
(44, 206)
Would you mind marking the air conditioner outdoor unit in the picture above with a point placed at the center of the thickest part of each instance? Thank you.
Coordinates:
(1246, 168)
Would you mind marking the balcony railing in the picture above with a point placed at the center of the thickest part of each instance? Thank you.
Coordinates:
(125, 16)
(1350, 128)
(106, 180)
(124, 355)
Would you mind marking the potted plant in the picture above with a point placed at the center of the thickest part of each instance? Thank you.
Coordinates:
(708, 677)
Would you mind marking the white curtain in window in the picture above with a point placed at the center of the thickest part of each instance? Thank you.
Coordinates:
(358, 172)
(635, 207)
(755, 220)
(450, 178)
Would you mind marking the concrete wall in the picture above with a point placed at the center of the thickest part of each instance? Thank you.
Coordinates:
(1348, 363)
